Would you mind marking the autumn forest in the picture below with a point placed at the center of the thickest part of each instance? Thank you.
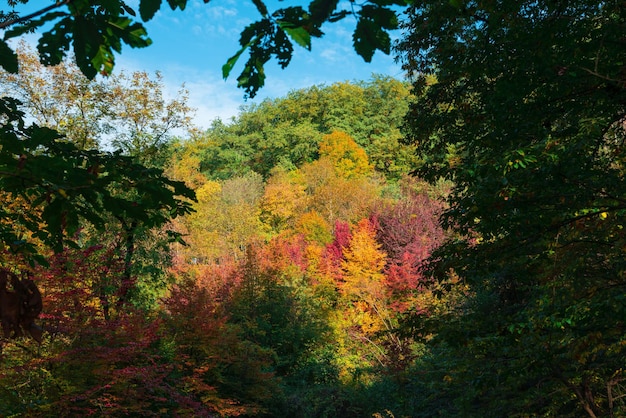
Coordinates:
(448, 245)
(291, 276)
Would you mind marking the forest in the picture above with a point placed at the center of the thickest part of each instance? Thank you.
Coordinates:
(449, 245)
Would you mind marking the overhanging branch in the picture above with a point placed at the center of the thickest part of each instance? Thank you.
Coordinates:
(38, 13)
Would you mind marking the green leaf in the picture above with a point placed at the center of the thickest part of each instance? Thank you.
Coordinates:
(104, 60)
(381, 16)
(111, 6)
(53, 44)
(179, 4)
(300, 35)
(30, 26)
(322, 10)
(368, 37)
(227, 68)
(392, 2)
(136, 36)
(336, 17)
(8, 58)
(261, 7)
(87, 41)
(148, 8)
(128, 10)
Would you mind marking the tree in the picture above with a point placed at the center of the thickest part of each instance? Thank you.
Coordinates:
(283, 199)
(227, 373)
(362, 282)
(59, 97)
(408, 230)
(143, 122)
(225, 221)
(344, 153)
(126, 112)
(288, 130)
(526, 117)
(64, 187)
(341, 184)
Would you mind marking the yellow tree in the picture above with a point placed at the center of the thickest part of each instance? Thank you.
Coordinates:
(365, 321)
(314, 228)
(336, 197)
(184, 165)
(226, 219)
(201, 235)
(348, 158)
(283, 199)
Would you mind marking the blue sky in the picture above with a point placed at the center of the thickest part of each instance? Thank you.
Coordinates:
(190, 48)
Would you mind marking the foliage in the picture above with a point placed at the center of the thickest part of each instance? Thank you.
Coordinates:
(283, 200)
(227, 373)
(324, 304)
(519, 108)
(272, 36)
(301, 321)
(527, 118)
(314, 228)
(65, 186)
(97, 30)
(345, 155)
(126, 112)
(86, 363)
(363, 298)
(287, 131)
(336, 197)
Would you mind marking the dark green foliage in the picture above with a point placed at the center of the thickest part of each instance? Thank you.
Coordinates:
(370, 33)
(272, 36)
(526, 117)
(96, 29)
(62, 186)
(275, 315)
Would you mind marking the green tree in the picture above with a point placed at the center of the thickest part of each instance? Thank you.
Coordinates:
(526, 117)
(288, 130)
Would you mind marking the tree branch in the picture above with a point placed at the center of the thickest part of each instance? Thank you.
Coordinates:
(59, 3)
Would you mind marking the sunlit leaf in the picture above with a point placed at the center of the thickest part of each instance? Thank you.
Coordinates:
(228, 66)
(300, 35)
